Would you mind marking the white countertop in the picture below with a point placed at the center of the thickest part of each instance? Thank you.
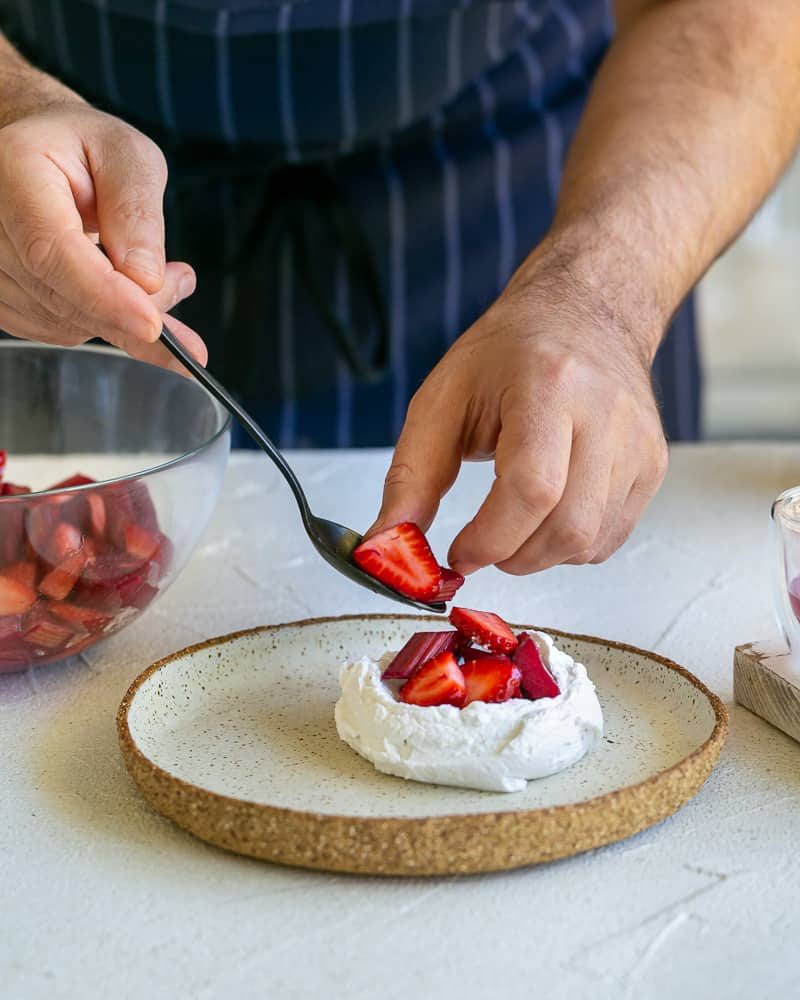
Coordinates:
(101, 897)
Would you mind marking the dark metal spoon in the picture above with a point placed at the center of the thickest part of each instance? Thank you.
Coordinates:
(333, 541)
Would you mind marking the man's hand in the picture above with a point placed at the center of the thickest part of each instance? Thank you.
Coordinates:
(68, 171)
(555, 388)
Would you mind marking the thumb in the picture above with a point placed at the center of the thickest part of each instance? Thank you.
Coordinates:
(424, 466)
(130, 175)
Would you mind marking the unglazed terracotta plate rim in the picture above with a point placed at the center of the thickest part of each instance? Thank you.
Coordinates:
(369, 843)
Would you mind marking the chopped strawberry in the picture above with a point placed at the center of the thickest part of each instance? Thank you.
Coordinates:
(484, 628)
(60, 581)
(22, 572)
(537, 681)
(475, 653)
(437, 682)
(451, 581)
(141, 543)
(48, 634)
(77, 480)
(15, 598)
(3, 457)
(401, 558)
(420, 648)
(491, 678)
(12, 490)
(89, 619)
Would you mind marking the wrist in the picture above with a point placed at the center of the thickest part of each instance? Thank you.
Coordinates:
(590, 271)
(25, 90)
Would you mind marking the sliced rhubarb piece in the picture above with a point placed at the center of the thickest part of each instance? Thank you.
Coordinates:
(128, 504)
(111, 582)
(10, 627)
(15, 598)
(97, 515)
(60, 581)
(40, 523)
(90, 619)
(794, 596)
(475, 653)
(23, 572)
(490, 679)
(137, 595)
(141, 543)
(437, 682)
(66, 539)
(421, 647)
(484, 628)
(537, 681)
(14, 655)
(3, 459)
(451, 581)
(48, 634)
(401, 558)
(77, 480)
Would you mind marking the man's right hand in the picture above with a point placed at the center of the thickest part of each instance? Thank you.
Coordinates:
(69, 172)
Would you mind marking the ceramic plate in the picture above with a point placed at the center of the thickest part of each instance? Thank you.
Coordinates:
(234, 740)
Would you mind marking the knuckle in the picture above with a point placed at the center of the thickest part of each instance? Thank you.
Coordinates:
(36, 254)
(573, 536)
(562, 372)
(150, 159)
(136, 207)
(399, 474)
(660, 459)
(536, 492)
(56, 304)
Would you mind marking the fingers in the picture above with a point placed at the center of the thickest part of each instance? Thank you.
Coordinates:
(639, 497)
(22, 315)
(129, 185)
(531, 465)
(426, 459)
(44, 229)
(572, 524)
(157, 354)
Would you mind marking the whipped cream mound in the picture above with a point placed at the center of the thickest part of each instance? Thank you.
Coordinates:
(489, 747)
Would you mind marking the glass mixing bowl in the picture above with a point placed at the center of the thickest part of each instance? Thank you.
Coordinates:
(83, 559)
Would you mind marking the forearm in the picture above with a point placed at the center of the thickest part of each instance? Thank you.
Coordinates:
(693, 117)
(25, 89)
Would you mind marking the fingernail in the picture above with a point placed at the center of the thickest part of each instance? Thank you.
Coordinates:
(186, 286)
(145, 261)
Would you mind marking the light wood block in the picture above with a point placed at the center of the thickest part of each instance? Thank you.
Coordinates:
(764, 682)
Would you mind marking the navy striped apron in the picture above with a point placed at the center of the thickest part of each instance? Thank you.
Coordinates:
(354, 181)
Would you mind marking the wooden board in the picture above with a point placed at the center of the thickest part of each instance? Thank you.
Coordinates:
(764, 682)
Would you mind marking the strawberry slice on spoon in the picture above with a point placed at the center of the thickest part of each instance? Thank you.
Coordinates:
(401, 558)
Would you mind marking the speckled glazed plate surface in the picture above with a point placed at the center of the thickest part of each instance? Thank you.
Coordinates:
(235, 741)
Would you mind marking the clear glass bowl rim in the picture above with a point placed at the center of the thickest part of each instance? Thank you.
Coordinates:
(24, 345)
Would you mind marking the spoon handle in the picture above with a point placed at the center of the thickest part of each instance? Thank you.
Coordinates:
(207, 380)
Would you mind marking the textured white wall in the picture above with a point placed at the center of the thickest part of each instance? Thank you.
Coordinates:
(750, 325)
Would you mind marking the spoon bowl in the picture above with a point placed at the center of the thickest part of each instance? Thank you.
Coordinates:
(334, 542)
